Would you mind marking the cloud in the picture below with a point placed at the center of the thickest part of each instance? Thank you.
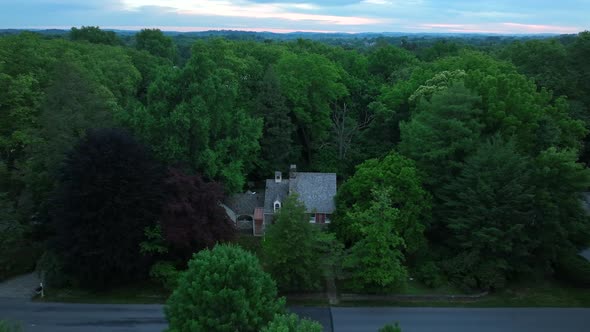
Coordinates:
(498, 28)
(248, 9)
(499, 16)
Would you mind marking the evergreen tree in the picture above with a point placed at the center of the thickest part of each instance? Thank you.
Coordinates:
(277, 147)
(489, 212)
(289, 248)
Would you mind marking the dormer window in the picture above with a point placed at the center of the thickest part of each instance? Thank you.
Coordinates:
(277, 206)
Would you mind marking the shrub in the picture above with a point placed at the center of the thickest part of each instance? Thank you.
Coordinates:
(50, 268)
(574, 269)
(292, 323)
(225, 290)
(391, 328)
(6, 326)
(430, 274)
(166, 273)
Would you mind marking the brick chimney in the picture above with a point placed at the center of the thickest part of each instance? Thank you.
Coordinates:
(293, 171)
(278, 177)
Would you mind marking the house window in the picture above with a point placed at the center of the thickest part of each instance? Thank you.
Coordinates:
(327, 218)
(277, 206)
(312, 218)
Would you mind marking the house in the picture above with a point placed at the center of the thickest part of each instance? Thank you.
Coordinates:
(256, 210)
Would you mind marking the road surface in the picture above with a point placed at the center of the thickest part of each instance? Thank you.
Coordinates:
(62, 317)
(463, 319)
(73, 317)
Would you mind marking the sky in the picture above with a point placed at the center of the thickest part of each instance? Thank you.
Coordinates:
(438, 16)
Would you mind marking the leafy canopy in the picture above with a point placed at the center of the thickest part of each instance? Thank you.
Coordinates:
(223, 290)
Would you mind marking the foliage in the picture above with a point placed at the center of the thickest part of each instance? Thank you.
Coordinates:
(50, 269)
(375, 263)
(561, 223)
(574, 269)
(203, 125)
(292, 323)
(109, 192)
(276, 149)
(156, 43)
(6, 326)
(289, 246)
(310, 82)
(17, 253)
(391, 328)
(192, 218)
(224, 289)
(94, 35)
(166, 273)
(490, 205)
(430, 274)
(444, 131)
(398, 177)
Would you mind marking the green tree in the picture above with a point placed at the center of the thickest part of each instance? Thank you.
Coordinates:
(375, 263)
(310, 82)
(292, 323)
(277, 149)
(109, 193)
(398, 177)
(204, 124)
(489, 212)
(561, 224)
(94, 35)
(443, 132)
(387, 61)
(289, 248)
(72, 105)
(225, 290)
(156, 43)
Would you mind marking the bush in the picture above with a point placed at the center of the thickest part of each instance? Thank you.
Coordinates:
(430, 274)
(225, 290)
(166, 273)
(292, 323)
(50, 268)
(6, 326)
(391, 328)
(574, 269)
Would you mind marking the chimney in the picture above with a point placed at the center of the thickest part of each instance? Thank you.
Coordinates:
(278, 177)
(293, 171)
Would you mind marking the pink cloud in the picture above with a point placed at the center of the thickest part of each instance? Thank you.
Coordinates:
(500, 28)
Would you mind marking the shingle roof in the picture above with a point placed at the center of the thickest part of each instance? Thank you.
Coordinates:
(273, 192)
(316, 191)
(245, 203)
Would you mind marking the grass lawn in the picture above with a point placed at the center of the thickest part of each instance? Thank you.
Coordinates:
(142, 293)
(544, 294)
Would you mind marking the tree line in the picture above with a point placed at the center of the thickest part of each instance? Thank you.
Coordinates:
(458, 163)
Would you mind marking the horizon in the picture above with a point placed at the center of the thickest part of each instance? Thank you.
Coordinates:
(499, 17)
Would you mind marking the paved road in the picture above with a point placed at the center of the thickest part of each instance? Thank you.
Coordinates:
(66, 317)
(60, 317)
(462, 319)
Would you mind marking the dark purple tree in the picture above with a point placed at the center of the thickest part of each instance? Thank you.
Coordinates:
(109, 192)
(192, 218)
